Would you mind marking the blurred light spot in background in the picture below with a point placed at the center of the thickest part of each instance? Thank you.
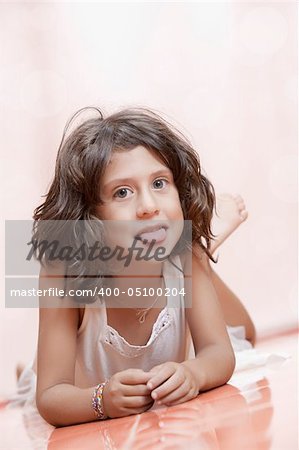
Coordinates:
(263, 30)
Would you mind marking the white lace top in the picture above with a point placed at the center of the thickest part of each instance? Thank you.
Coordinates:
(102, 351)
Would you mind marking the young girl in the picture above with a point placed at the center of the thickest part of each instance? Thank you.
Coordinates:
(95, 361)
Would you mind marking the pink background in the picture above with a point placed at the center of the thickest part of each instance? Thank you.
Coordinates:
(225, 73)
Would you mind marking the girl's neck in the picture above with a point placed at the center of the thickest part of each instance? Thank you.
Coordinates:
(140, 270)
(140, 276)
(136, 292)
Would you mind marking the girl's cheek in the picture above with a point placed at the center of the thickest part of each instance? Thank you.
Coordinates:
(120, 214)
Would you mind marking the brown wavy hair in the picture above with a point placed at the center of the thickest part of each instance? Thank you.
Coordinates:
(84, 155)
(75, 192)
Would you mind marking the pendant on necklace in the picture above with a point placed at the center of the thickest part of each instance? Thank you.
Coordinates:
(141, 319)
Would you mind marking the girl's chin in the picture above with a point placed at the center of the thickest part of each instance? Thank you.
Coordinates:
(131, 252)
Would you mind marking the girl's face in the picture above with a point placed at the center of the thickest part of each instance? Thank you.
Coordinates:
(138, 187)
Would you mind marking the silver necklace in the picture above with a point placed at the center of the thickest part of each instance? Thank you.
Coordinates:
(142, 312)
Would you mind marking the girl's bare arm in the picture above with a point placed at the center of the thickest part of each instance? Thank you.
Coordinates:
(59, 402)
(214, 360)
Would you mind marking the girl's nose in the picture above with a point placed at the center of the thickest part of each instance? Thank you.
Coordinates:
(147, 206)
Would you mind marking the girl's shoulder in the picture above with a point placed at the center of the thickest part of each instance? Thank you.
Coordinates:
(195, 258)
(188, 256)
(53, 279)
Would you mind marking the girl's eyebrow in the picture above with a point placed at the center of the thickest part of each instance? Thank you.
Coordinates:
(126, 180)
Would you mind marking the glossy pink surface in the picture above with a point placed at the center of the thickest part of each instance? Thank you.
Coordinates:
(258, 412)
(262, 414)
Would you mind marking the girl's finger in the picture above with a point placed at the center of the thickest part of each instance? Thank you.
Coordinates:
(138, 389)
(154, 370)
(161, 376)
(130, 411)
(168, 386)
(175, 395)
(134, 376)
(137, 401)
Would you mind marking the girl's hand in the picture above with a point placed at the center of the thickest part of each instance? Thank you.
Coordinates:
(126, 393)
(172, 383)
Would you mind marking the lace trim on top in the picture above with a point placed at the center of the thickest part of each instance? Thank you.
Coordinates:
(114, 339)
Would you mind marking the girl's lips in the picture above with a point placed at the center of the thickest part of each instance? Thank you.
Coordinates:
(157, 235)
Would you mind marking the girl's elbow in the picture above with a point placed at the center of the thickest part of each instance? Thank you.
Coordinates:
(231, 365)
(250, 330)
(47, 412)
(251, 333)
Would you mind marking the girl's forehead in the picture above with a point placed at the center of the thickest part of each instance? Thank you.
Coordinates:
(138, 162)
(134, 157)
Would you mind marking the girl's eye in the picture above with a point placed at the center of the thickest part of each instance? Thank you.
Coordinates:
(121, 193)
(160, 183)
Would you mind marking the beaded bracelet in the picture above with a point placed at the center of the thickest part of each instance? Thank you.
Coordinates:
(97, 401)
